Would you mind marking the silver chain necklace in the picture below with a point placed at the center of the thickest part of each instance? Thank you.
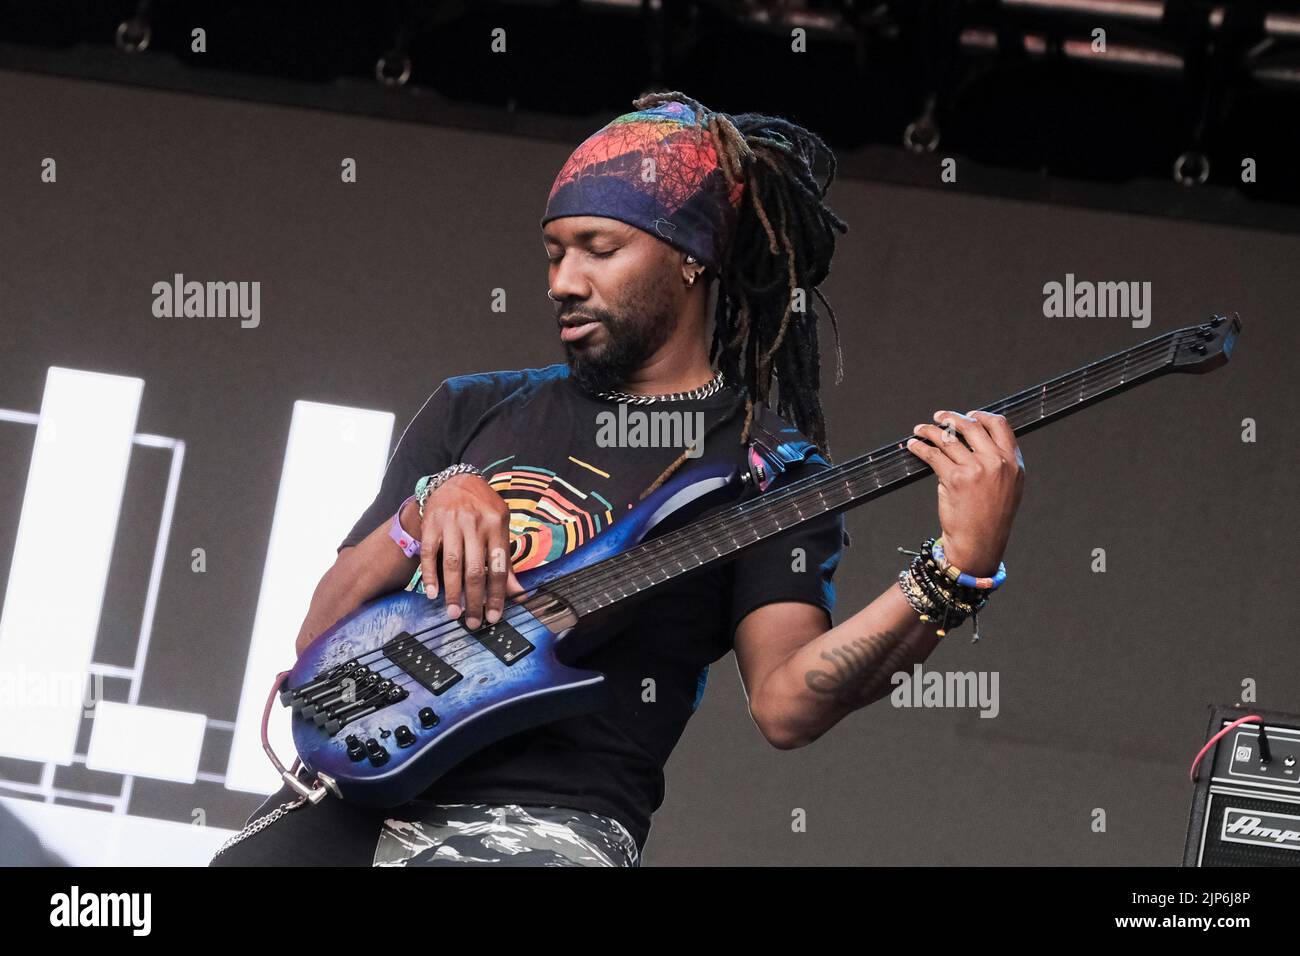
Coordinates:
(704, 391)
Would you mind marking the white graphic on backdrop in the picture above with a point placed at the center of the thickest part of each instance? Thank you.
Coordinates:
(334, 461)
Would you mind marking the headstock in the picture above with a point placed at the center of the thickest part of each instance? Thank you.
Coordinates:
(1200, 348)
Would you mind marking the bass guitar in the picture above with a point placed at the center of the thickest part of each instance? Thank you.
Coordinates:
(392, 696)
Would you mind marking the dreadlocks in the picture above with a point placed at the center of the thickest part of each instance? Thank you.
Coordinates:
(765, 326)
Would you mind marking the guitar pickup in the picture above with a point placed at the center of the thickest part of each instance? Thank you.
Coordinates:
(503, 641)
(429, 670)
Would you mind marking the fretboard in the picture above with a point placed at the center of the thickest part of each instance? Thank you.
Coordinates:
(722, 535)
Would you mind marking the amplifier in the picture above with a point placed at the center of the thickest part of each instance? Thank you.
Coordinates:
(1246, 805)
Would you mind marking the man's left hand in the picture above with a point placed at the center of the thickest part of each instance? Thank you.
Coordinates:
(979, 486)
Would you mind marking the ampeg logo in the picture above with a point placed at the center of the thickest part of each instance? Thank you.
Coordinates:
(1260, 828)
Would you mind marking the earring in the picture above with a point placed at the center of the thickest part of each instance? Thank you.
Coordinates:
(691, 260)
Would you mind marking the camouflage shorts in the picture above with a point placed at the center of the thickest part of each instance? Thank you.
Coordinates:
(480, 834)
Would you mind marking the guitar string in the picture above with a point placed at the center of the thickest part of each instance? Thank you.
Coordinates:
(885, 468)
(884, 465)
(614, 567)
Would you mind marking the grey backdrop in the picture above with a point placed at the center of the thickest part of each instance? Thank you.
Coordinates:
(373, 292)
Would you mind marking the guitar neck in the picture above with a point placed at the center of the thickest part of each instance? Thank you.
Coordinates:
(724, 534)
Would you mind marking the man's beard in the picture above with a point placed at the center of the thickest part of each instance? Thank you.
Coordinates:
(630, 340)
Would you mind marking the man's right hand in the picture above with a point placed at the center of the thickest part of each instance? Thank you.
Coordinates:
(468, 523)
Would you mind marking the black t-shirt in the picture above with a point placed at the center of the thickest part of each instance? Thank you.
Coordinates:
(533, 433)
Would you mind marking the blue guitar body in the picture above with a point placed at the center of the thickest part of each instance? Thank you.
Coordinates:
(449, 691)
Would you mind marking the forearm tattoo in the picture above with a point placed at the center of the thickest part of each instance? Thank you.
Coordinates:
(859, 669)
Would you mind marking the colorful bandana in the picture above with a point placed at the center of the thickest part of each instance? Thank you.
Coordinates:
(682, 197)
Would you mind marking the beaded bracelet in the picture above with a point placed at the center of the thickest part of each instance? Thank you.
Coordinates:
(947, 591)
(926, 607)
(942, 592)
(954, 609)
(916, 596)
(966, 603)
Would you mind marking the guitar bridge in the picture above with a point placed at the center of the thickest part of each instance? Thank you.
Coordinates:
(346, 693)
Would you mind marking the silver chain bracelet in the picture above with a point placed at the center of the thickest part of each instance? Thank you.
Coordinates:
(429, 483)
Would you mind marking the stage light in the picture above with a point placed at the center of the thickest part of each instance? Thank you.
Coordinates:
(61, 557)
(333, 465)
(172, 741)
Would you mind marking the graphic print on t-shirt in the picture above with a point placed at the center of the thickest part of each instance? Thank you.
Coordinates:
(549, 516)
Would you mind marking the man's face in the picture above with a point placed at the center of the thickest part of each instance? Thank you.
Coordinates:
(615, 308)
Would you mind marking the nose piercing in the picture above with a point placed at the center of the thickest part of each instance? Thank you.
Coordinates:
(551, 295)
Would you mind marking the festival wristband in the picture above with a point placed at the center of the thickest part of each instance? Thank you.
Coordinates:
(410, 547)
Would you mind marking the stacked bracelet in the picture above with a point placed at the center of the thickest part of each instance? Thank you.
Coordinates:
(931, 603)
(430, 483)
(961, 601)
(940, 591)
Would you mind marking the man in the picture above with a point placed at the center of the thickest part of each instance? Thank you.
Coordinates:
(642, 210)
